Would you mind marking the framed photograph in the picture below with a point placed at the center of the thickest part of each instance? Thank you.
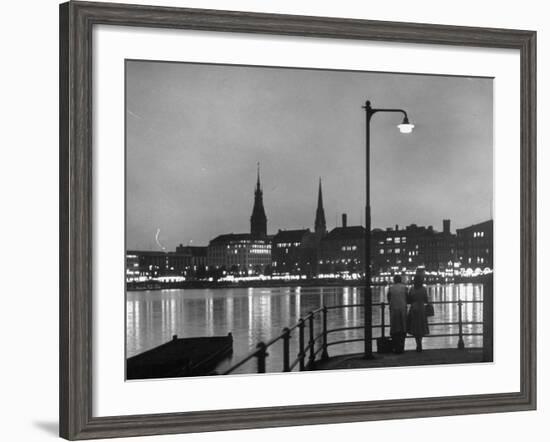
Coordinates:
(271, 220)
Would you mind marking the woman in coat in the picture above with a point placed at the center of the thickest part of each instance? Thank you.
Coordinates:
(417, 320)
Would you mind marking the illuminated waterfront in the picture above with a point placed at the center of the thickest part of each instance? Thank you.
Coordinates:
(259, 314)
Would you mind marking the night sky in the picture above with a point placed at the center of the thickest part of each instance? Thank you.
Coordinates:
(195, 133)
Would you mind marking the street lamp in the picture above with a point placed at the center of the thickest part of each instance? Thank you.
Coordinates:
(405, 127)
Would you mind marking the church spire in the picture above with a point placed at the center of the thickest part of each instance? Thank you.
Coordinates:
(258, 220)
(320, 222)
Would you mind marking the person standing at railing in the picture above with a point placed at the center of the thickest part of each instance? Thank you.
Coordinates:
(417, 321)
(397, 299)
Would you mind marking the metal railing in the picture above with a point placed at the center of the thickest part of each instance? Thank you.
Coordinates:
(305, 350)
(319, 343)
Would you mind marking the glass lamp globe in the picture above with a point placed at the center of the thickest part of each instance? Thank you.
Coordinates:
(405, 127)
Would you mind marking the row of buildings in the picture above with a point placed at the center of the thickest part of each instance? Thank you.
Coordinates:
(319, 253)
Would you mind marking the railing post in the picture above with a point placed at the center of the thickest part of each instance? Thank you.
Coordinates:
(286, 349)
(301, 355)
(324, 353)
(383, 318)
(460, 334)
(488, 321)
(311, 361)
(261, 355)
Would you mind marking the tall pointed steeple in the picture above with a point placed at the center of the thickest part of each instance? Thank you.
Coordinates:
(258, 220)
(320, 222)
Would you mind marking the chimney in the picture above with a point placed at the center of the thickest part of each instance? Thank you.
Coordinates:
(396, 227)
(344, 220)
(447, 226)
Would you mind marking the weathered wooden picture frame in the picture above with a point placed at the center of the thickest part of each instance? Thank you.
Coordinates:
(77, 20)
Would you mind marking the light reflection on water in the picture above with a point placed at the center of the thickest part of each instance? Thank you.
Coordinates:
(259, 314)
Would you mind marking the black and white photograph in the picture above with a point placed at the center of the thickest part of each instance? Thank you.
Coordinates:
(289, 219)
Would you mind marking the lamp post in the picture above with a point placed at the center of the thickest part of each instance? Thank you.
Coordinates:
(406, 128)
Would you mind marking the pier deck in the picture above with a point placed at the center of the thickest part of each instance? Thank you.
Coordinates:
(408, 358)
(180, 357)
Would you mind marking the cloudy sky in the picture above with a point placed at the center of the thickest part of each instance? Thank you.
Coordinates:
(196, 131)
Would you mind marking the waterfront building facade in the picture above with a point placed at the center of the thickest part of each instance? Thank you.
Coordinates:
(475, 245)
(391, 250)
(293, 253)
(143, 265)
(196, 264)
(240, 254)
(342, 251)
(438, 250)
(405, 250)
(132, 266)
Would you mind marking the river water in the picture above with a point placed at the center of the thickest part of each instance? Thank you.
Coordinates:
(259, 314)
